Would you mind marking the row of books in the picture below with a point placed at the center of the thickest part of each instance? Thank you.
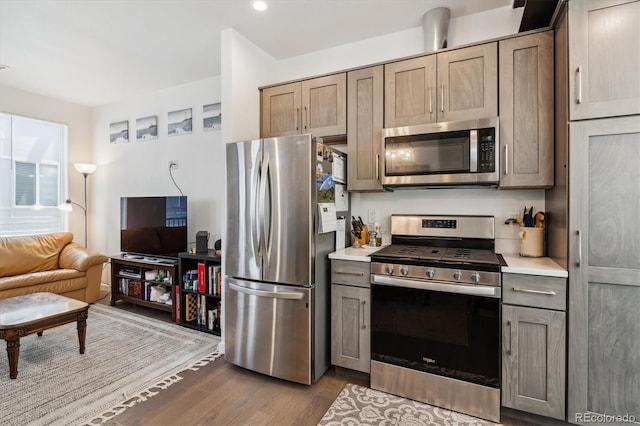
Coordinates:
(143, 290)
(199, 310)
(204, 279)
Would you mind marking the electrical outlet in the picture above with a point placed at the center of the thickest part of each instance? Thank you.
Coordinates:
(371, 216)
(173, 164)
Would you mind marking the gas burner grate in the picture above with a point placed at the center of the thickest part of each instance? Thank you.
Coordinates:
(462, 254)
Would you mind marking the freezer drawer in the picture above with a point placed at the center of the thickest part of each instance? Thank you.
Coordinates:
(268, 328)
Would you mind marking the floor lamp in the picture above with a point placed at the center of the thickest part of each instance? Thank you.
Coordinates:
(86, 169)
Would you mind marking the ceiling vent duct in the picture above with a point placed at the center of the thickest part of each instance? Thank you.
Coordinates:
(435, 24)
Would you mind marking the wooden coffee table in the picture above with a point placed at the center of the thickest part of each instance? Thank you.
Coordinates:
(34, 313)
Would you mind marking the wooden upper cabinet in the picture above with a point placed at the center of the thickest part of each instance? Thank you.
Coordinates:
(604, 41)
(364, 133)
(317, 106)
(281, 110)
(468, 83)
(410, 92)
(526, 111)
(324, 105)
(460, 84)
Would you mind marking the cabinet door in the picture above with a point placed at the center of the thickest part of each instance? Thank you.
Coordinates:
(604, 41)
(410, 92)
(350, 327)
(533, 360)
(324, 105)
(468, 83)
(604, 267)
(526, 111)
(281, 110)
(364, 136)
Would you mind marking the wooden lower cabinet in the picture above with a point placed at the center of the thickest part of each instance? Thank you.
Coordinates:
(350, 327)
(533, 360)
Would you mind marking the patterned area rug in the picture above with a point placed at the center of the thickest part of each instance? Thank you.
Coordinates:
(128, 358)
(357, 405)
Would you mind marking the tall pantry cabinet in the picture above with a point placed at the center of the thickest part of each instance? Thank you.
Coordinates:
(598, 137)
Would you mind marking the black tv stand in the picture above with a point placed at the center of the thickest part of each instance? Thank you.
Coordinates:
(129, 280)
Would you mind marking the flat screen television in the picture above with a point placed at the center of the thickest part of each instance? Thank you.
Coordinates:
(153, 226)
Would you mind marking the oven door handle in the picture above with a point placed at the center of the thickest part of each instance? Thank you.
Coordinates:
(472, 290)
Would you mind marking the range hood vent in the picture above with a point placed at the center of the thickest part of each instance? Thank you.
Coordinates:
(435, 24)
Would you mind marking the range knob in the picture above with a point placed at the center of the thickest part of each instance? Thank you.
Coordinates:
(475, 277)
(389, 269)
(430, 273)
(404, 271)
(457, 275)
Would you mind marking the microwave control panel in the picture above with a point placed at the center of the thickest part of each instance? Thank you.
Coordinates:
(486, 150)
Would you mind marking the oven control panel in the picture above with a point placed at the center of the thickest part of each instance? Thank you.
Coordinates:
(440, 223)
(431, 273)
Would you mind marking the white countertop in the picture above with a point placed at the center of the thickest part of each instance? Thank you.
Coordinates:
(533, 266)
(360, 254)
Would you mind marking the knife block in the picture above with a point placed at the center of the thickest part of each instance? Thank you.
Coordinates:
(364, 237)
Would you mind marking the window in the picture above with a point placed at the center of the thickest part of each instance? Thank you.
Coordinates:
(33, 175)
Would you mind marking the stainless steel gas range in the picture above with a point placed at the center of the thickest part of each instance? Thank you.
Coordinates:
(435, 313)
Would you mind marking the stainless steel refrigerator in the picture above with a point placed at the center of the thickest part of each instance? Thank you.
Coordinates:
(275, 262)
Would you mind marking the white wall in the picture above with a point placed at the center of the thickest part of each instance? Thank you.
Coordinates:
(463, 30)
(245, 67)
(141, 168)
(78, 120)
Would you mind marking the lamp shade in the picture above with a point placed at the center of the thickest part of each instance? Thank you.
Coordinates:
(66, 206)
(85, 168)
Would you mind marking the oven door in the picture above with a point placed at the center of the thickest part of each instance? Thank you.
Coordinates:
(452, 334)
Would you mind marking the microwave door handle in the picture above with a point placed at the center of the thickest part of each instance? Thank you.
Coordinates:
(473, 151)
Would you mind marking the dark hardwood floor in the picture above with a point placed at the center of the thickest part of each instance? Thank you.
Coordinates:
(223, 394)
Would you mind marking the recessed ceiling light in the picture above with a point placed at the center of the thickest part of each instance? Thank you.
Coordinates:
(259, 6)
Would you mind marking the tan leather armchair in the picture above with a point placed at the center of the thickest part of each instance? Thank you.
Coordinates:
(49, 263)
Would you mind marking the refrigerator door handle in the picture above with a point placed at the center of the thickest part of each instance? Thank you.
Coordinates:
(265, 209)
(255, 224)
(296, 295)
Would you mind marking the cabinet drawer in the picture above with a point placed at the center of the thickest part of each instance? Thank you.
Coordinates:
(350, 273)
(536, 291)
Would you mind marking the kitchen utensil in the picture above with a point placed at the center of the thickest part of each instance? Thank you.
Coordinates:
(539, 220)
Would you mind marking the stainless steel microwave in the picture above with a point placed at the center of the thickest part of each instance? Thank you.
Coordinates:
(463, 153)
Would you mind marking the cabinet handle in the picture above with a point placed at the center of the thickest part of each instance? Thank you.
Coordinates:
(510, 337)
(506, 159)
(579, 85)
(305, 119)
(529, 290)
(378, 167)
(442, 98)
(579, 235)
(357, 274)
(430, 102)
(364, 324)
(295, 118)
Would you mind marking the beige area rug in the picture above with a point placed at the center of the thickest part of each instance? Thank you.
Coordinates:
(128, 359)
(357, 405)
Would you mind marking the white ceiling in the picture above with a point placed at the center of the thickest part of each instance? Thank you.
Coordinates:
(94, 52)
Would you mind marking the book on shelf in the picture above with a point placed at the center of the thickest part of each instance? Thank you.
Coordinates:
(190, 280)
(177, 300)
(214, 285)
(201, 277)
